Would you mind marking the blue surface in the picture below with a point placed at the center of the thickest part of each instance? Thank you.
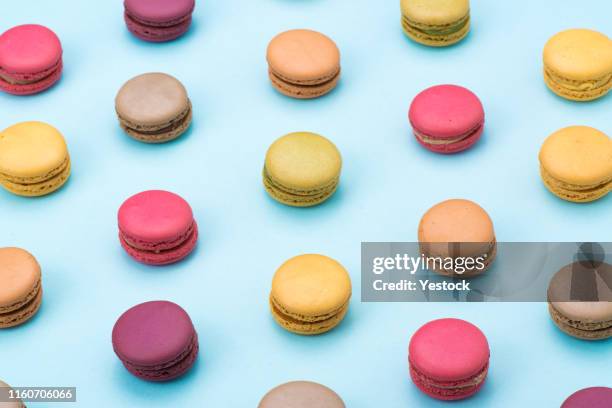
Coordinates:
(388, 181)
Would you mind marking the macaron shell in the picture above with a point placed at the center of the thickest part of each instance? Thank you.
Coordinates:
(301, 394)
(579, 54)
(456, 220)
(155, 216)
(159, 11)
(151, 99)
(592, 397)
(29, 49)
(578, 155)
(152, 333)
(303, 161)
(154, 33)
(449, 350)
(435, 12)
(31, 150)
(48, 79)
(446, 112)
(303, 56)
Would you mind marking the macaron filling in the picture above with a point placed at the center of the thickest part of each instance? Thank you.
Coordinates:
(430, 140)
(180, 123)
(578, 88)
(15, 78)
(159, 246)
(295, 196)
(307, 325)
(575, 192)
(581, 328)
(168, 370)
(23, 310)
(39, 185)
(448, 389)
(437, 33)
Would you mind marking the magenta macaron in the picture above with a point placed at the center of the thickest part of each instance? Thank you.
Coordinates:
(446, 118)
(30, 59)
(592, 397)
(156, 341)
(448, 359)
(158, 20)
(157, 227)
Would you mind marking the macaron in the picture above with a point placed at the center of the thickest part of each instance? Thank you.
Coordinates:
(303, 64)
(20, 286)
(592, 397)
(576, 164)
(436, 23)
(448, 359)
(301, 394)
(157, 227)
(153, 108)
(310, 294)
(156, 341)
(158, 20)
(578, 64)
(580, 301)
(446, 118)
(34, 159)
(30, 59)
(5, 390)
(302, 169)
(458, 228)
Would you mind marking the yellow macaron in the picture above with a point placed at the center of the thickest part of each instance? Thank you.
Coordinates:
(310, 294)
(34, 159)
(576, 163)
(436, 23)
(302, 169)
(578, 64)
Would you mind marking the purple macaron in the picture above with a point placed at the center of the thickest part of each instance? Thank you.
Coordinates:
(158, 20)
(156, 341)
(592, 397)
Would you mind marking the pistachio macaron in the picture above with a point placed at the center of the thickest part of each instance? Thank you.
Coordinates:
(576, 164)
(153, 108)
(578, 64)
(310, 294)
(34, 159)
(436, 23)
(302, 169)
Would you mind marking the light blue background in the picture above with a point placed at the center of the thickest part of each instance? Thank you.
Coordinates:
(388, 182)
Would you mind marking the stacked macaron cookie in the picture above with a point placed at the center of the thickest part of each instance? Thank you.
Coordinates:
(156, 341)
(34, 159)
(30, 59)
(158, 20)
(446, 118)
(20, 286)
(436, 23)
(448, 359)
(157, 227)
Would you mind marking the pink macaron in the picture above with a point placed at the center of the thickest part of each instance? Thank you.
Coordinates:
(158, 20)
(157, 227)
(446, 118)
(30, 59)
(448, 359)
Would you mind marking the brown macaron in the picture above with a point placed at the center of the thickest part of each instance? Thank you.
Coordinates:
(580, 300)
(20, 286)
(301, 394)
(455, 229)
(153, 108)
(303, 64)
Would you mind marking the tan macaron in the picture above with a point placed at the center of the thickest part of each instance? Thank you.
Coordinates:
(310, 294)
(20, 286)
(458, 228)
